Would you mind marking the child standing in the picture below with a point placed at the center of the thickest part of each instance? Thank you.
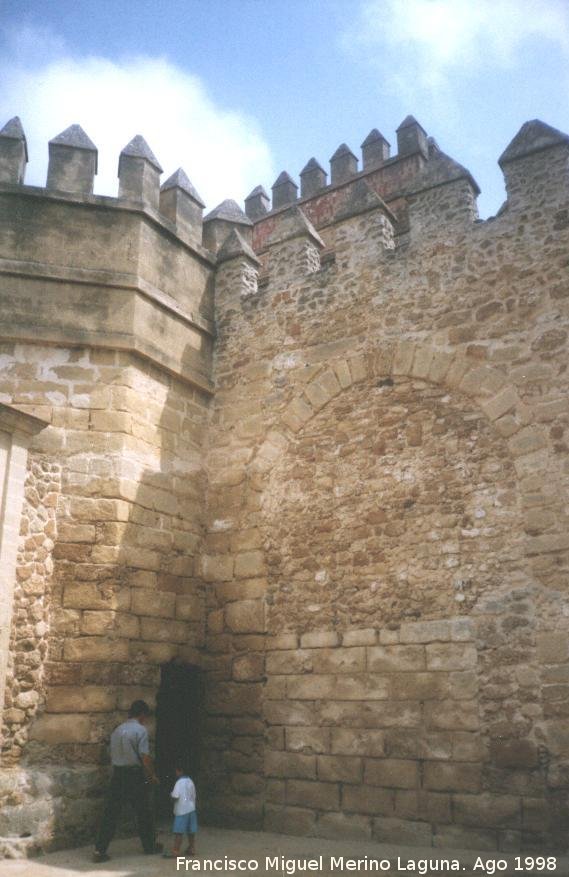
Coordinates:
(185, 817)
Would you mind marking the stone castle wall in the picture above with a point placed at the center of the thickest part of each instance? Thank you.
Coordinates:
(330, 469)
(390, 448)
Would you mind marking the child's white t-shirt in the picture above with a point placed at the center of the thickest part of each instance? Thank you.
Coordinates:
(184, 794)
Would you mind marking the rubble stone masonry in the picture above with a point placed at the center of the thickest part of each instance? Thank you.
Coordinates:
(326, 460)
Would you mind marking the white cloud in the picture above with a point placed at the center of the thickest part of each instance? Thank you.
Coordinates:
(439, 36)
(222, 151)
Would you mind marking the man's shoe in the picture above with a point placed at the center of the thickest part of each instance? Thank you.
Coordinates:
(100, 857)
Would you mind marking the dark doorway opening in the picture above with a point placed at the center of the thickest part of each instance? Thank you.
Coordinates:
(178, 727)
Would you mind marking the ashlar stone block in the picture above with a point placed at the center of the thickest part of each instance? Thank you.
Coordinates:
(245, 616)
(451, 656)
(321, 796)
(81, 699)
(290, 764)
(338, 660)
(357, 741)
(392, 773)
(350, 826)
(62, 728)
(368, 799)
(96, 648)
(488, 811)
(308, 740)
(339, 768)
(389, 659)
(452, 777)
(158, 604)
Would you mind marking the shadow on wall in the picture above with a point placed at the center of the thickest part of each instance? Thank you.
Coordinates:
(126, 602)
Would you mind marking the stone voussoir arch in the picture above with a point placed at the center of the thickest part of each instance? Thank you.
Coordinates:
(487, 387)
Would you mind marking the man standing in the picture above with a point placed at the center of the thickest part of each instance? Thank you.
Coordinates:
(133, 771)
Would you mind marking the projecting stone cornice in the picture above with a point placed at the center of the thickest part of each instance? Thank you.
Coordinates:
(106, 278)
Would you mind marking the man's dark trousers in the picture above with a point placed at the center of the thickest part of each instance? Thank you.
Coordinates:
(127, 786)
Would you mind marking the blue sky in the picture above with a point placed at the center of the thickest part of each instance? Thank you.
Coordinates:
(237, 90)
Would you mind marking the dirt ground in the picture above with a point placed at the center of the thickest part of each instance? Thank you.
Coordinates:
(278, 855)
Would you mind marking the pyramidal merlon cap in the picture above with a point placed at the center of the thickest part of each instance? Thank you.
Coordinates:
(233, 246)
(75, 138)
(258, 190)
(283, 177)
(343, 149)
(139, 148)
(230, 211)
(373, 136)
(179, 180)
(13, 130)
(533, 136)
(409, 121)
(312, 165)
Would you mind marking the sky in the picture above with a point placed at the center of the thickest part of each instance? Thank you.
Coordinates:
(235, 91)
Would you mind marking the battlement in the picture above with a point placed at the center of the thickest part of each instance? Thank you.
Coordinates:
(72, 169)
(154, 240)
(399, 180)
(418, 166)
(414, 149)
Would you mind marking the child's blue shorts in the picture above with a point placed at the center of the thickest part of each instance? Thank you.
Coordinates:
(187, 823)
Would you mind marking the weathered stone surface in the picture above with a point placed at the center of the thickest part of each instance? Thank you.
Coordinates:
(64, 728)
(321, 796)
(323, 462)
(386, 659)
(357, 742)
(501, 811)
(392, 773)
(308, 740)
(288, 764)
(245, 616)
(367, 799)
(339, 768)
(452, 777)
(87, 699)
